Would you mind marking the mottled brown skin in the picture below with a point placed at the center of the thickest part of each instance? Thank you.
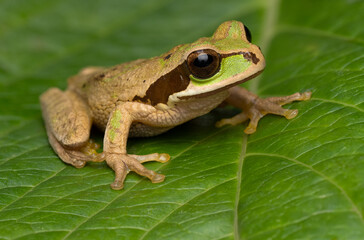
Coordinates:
(150, 96)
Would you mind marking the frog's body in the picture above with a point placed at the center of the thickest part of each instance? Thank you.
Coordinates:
(149, 96)
(106, 94)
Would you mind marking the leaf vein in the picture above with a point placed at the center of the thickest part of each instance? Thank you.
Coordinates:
(189, 200)
(354, 209)
(136, 183)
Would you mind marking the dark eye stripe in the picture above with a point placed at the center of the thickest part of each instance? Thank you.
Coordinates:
(176, 80)
(247, 55)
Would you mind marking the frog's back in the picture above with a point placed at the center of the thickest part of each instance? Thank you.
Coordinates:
(104, 88)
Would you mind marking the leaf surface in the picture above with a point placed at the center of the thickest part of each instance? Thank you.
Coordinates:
(292, 179)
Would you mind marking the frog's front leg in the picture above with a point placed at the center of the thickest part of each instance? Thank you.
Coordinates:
(254, 108)
(116, 135)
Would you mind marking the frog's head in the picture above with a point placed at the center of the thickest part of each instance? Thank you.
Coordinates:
(212, 64)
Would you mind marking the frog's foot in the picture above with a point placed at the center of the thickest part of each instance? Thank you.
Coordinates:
(88, 153)
(77, 157)
(260, 107)
(122, 164)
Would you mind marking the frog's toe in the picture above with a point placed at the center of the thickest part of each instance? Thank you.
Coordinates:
(237, 119)
(305, 96)
(164, 157)
(157, 178)
(250, 130)
(135, 166)
(158, 157)
(223, 122)
(117, 185)
(78, 164)
(253, 123)
(120, 169)
(289, 114)
(290, 98)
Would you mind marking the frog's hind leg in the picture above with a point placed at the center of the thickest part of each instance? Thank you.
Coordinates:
(68, 124)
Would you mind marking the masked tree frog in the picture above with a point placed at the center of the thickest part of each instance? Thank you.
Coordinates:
(147, 97)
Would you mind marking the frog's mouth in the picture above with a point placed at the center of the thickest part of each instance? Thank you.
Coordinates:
(217, 89)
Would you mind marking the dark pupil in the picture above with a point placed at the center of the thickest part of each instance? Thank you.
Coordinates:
(203, 60)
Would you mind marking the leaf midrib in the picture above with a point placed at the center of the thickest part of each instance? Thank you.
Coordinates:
(238, 186)
(268, 29)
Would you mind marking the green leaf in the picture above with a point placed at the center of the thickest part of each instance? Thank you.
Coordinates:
(292, 179)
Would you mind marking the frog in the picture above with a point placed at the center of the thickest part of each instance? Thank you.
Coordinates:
(147, 97)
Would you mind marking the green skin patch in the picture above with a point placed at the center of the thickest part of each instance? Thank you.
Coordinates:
(230, 44)
(114, 124)
(230, 66)
(162, 62)
(235, 31)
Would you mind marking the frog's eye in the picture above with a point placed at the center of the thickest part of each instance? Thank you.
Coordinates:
(203, 63)
(248, 34)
